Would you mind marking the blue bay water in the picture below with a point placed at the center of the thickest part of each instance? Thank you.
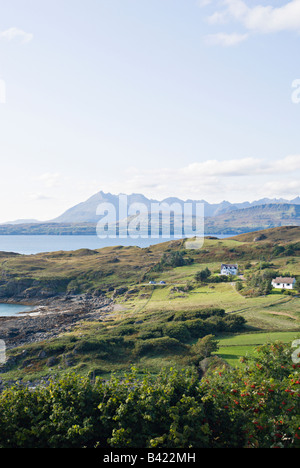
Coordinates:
(28, 245)
(7, 310)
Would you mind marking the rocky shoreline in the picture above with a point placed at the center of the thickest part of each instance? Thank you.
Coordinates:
(51, 317)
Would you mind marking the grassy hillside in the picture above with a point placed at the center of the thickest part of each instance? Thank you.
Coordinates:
(78, 271)
(281, 235)
(113, 267)
(156, 325)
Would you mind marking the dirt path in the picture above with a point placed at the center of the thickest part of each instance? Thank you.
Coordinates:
(283, 313)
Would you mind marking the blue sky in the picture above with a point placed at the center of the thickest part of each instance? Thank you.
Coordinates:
(188, 98)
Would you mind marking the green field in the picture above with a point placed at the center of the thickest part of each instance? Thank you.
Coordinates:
(231, 349)
(271, 312)
(272, 317)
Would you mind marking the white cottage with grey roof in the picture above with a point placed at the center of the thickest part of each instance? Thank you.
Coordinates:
(282, 282)
(229, 269)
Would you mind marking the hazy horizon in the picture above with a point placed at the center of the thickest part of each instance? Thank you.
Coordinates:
(33, 220)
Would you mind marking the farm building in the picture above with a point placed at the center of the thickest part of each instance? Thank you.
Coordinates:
(229, 269)
(283, 282)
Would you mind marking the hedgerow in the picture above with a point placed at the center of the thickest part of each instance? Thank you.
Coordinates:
(256, 405)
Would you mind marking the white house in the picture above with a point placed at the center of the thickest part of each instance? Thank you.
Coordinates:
(283, 283)
(229, 269)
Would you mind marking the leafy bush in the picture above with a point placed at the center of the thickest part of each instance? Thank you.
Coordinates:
(123, 330)
(263, 396)
(234, 323)
(146, 335)
(200, 313)
(202, 275)
(197, 328)
(101, 344)
(172, 260)
(178, 331)
(256, 406)
(158, 346)
(151, 331)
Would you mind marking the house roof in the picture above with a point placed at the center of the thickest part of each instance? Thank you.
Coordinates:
(286, 280)
(228, 266)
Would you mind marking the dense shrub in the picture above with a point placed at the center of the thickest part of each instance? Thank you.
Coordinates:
(123, 330)
(172, 260)
(263, 396)
(151, 331)
(201, 313)
(234, 323)
(256, 405)
(101, 344)
(197, 328)
(146, 335)
(178, 331)
(158, 346)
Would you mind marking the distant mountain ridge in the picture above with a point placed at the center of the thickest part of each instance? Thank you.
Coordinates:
(219, 218)
(257, 217)
(85, 212)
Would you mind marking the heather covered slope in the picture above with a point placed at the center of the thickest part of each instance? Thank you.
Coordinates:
(82, 271)
(281, 235)
(103, 316)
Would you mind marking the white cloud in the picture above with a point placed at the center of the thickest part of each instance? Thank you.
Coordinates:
(263, 19)
(219, 17)
(49, 179)
(286, 189)
(233, 167)
(38, 197)
(288, 164)
(225, 40)
(16, 33)
(266, 19)
(215, 180)
(204, 3)
(244, 167)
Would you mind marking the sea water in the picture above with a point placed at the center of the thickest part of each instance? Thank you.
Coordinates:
(28, 245)
(7, 310)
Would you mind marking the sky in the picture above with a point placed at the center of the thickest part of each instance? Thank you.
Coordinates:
(190, 98)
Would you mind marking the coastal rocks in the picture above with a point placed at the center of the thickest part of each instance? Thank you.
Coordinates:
(52, 317)
(31, 288)
(120, 291)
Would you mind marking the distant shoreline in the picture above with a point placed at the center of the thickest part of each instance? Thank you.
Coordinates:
(34, 244)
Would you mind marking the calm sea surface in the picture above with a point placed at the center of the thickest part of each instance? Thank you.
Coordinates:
(6, 310)
(28, 245)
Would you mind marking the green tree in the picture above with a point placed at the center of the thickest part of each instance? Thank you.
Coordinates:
(204, 347)
(202, 275)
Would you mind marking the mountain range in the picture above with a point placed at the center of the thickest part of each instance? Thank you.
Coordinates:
(85, 212)
(220, 218)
